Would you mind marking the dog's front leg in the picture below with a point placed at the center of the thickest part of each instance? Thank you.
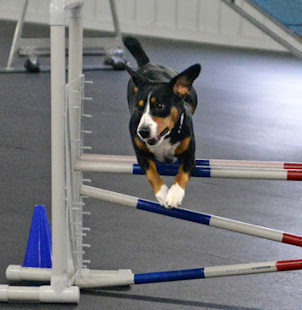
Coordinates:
(159, 187)
(177, 190)
(147, 163)
(186, 156)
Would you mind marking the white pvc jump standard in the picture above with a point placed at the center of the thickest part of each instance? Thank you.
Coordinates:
(59, 290)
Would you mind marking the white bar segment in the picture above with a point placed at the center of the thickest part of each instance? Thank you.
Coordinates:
(242, 173)
(104, 278)
(44, 294)
(49, 294)
(105, 167)
(20, 273)
(246, 164)
(109, 158)
(109, 196)
(245, 228)
(239, 269)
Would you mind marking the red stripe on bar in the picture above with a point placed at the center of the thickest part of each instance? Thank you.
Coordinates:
(292, 166)
(292, 239)
(294, 175)
(289, 265)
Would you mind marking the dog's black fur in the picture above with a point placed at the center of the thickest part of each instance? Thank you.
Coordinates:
(161, 102)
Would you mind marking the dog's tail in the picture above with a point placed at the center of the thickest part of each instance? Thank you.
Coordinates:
(136, 50)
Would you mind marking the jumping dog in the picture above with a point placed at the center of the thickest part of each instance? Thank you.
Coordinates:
(161, 102)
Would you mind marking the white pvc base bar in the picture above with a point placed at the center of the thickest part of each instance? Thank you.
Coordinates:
(45, 294)
(86, 278)
(19, 273)
(104, 278)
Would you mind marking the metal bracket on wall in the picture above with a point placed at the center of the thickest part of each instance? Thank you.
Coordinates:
(111, 46)
(268, 24)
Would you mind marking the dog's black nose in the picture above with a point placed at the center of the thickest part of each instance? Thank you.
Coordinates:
(144, 132)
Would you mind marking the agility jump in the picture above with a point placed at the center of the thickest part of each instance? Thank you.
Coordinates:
(69, 273)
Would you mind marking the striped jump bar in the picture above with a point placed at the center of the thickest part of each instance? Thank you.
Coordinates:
(201, 162)
(188, 215)
(200, 171)
(218, 271)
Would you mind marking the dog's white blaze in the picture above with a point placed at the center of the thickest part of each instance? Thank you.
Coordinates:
(164, 151)
(147, 121)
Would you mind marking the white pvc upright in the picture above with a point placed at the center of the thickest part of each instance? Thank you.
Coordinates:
(59, 279)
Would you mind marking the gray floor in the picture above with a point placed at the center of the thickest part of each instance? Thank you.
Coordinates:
(250, 108)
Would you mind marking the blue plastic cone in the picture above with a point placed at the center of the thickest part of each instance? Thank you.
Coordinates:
(39, 249)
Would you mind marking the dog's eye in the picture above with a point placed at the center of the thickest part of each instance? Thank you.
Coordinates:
(160, 106)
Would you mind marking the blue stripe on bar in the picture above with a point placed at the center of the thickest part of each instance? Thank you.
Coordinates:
(167, 276)
(183, 214)
(202, 162)
(169, 169)
(172, 169)
(137, 169)
(202, 172)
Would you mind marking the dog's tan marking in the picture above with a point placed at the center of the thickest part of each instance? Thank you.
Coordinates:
(182, 178)
(154, 178)
(141, 145)
(183, 146)
(174, 114)
(141, 103)
(153, 100)
(167, 122)
(135, 89)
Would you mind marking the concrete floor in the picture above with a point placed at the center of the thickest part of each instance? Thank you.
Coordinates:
(249, 108)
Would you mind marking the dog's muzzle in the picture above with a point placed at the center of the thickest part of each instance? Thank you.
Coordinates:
(144, 134)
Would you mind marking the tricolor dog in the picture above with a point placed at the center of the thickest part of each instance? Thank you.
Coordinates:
(161, 102)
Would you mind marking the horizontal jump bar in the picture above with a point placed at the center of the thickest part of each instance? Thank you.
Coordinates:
(200, 171)
(201, 162)
(218, 271)
(188, 215)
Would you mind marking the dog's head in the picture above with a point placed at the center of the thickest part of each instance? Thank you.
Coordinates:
(160, 105)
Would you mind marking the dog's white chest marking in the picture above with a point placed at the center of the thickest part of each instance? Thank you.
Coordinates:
(164, 152)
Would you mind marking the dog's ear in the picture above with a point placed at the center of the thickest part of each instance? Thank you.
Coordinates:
(182, 83)
(137, 78)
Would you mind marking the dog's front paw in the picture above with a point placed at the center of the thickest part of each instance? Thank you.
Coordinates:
(175, 196)
(162, 194)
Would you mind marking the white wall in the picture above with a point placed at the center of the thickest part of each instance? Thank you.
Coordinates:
(209, 21)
